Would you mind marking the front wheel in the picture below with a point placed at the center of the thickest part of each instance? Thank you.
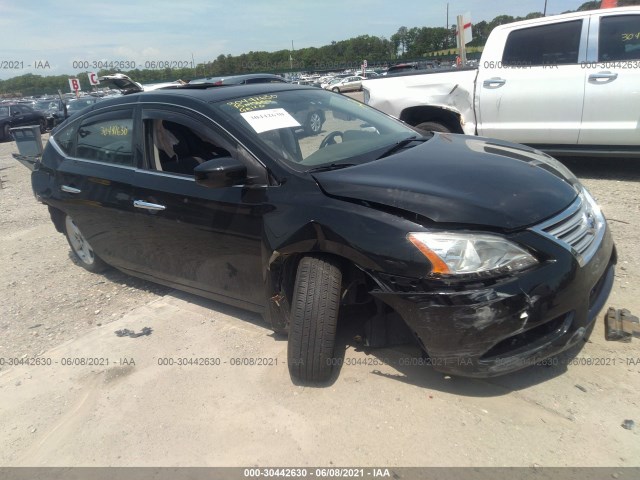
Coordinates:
(433, 127)
(82, 250)
(6, 134)
(314, 318)
(43, 126)
(335, 89)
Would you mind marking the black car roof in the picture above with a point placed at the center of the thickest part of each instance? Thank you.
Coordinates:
(238, 78)
(200, 93)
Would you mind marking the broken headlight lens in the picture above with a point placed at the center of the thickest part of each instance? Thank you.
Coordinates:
(472, 255)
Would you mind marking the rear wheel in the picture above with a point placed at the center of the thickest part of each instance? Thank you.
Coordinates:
(81, 248)
(433, 127)
(314, 317)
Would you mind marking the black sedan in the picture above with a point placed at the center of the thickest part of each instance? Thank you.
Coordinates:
(76, 105)
(491, 255)
(19, 115)
(54, 110)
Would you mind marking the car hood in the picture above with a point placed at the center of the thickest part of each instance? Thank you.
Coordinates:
(463, 180)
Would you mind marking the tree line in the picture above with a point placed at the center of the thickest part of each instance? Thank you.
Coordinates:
(406, 44)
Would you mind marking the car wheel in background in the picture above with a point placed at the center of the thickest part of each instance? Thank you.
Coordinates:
(43, 126)
(81, 248)
(335, 89)
(314, 317)
(6, 134)
(314, 124)
(433, 127)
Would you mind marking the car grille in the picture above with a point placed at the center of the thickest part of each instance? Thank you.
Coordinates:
(579, 228)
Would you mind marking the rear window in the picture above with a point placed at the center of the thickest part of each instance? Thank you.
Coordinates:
(619, 38)
(556, 44)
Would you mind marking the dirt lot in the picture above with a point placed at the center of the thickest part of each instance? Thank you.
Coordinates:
(131, 410)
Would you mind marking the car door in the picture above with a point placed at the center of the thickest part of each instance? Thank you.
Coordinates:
(534, 94)
(94, 181)
(612, 94)
(206, 239)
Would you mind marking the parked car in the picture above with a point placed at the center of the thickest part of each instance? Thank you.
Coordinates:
(54, 110)
(401, 68)
(491, 254)
(19, 115)
(78, 104)
(347, 84)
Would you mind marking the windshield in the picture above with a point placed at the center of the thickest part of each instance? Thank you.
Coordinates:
(308, 129)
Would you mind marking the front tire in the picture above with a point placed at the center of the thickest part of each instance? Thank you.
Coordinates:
(335, 89)
(314, 318)
(81, 249)
(6, 134)
(433, 127)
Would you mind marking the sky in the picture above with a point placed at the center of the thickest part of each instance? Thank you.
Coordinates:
(46, 37)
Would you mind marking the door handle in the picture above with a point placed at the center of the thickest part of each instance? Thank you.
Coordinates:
(68, 189)
(602, 77)
(147, 205)
(495, 82)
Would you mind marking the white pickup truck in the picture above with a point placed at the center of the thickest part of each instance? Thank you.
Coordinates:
(567, 84)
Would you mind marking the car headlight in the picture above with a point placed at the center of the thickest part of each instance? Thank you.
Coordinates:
(470, 255)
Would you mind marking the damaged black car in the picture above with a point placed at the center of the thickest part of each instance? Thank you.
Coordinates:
(492, 255)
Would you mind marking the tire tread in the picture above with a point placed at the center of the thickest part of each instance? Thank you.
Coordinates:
(314, 318)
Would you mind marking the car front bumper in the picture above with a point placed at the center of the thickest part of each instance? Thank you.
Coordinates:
(485, 330)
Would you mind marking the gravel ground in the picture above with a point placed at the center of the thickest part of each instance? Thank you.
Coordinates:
(46, 299)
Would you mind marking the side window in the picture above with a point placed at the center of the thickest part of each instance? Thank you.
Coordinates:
(66, 138)
(556, 44)
(177, 143)
(107, 138)
(619, 38)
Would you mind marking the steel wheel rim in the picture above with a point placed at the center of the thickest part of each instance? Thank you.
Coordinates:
(78, 243)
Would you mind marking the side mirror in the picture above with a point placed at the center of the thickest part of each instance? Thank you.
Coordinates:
(220, 172)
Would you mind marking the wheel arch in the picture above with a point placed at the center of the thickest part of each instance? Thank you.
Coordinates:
(282, 266)
(448, 117)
